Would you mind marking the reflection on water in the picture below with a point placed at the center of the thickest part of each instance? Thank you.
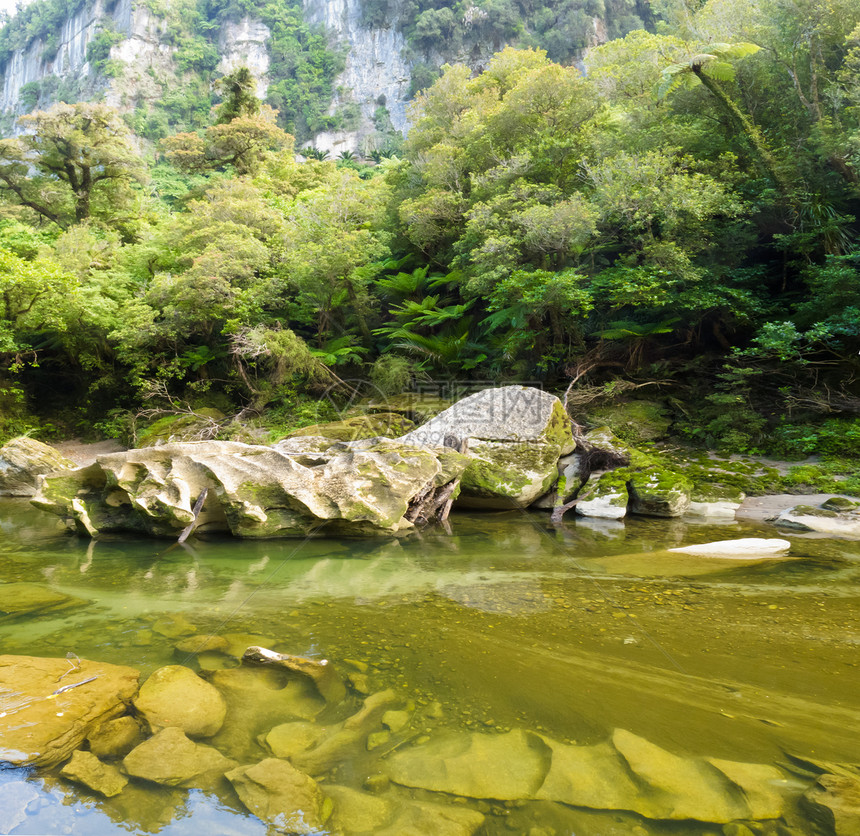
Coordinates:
(501, 624)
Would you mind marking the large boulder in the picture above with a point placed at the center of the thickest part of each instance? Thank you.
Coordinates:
(176, 696)
(48, 706)
(514, 436)
(23, 460)
(294, 488)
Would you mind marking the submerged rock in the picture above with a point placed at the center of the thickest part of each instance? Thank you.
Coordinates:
(626, 773)
(505, 767)
(258, 699)
(116, 738)
(422, 818)
(292, 489)
(176, 696)
(171, 758)
(514, 436)
(85, 768)
(23, 461)
(834, 803)
(43, 720)
(292, 739)
(279, 794)
(744, 548)
(342, 739)
(28, 599)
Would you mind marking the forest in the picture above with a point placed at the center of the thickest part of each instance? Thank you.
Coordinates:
(682, 216)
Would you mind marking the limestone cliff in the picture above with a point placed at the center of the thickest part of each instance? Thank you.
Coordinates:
(142, 63)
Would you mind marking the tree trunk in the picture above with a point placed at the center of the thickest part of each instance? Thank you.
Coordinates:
(748, 128)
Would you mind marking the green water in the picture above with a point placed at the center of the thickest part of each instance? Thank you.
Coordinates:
(500, 623)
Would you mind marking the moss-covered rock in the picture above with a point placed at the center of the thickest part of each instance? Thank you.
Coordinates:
(416, 406)
(385, 424)
(607, 498)
(185, 427)
(634, 422)
(655, 492)
(514, 436)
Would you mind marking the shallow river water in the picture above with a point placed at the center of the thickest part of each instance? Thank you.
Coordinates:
(500, 623)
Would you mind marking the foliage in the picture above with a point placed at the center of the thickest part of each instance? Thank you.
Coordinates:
(684, 213)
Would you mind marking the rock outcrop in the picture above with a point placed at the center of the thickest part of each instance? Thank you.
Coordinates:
(298, 487)
(514, 436)
(48, 707)
(23, 461)
(838, 517)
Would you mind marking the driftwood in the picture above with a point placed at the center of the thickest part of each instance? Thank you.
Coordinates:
(433, 503)
(560, 510)
(321, 672)
(198, 507)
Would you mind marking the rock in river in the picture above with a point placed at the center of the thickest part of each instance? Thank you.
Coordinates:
(744, 548)
(833, 518)
(104, 778)
(514, 436)
(175, 696)
(172, 759)
(279, 794)
(23, 460)
(47, 709)
(500, 766)
(295, 488)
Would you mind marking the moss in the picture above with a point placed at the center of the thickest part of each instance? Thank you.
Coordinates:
(358, 427)
(484, 478)
(558, 430)
(178, 427)
(633, 422)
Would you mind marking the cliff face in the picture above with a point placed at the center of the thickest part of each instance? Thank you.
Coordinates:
(376, 74)
(70, 62)
(142, 58)
(373, 87)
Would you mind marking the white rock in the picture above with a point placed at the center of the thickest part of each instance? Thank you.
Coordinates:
(745, 548)
(839, 525)
(612, 506)
(722, 509)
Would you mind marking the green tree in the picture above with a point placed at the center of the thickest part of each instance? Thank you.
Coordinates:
(76, 162)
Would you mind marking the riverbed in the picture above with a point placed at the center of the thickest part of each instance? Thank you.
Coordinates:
(499, 622)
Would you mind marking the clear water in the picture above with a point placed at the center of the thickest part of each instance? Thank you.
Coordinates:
(501, 622)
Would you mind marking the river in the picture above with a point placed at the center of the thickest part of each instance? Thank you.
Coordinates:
(499, 623)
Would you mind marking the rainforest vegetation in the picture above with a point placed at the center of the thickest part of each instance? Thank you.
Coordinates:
(683, 216)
